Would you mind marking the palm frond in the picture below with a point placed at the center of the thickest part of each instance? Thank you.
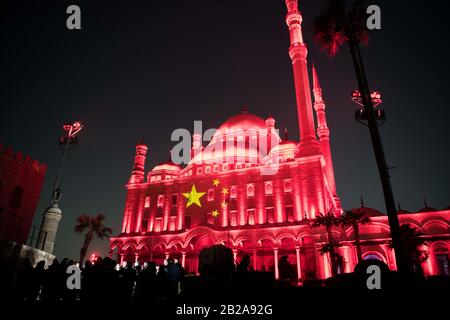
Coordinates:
(82, 223)
(329, 27)
(333, 26)
(104, 232)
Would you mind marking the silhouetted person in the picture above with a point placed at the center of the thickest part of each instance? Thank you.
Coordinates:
(86, 281)
(182, 273)
(174, 273)
(127, 277)
(38, 280)
(50, 288)
(245, 263)
(162, 284)
(146, 282)
(286, 271)
(25, 274)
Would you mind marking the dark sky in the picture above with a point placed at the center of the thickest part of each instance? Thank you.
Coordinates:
(145, 68)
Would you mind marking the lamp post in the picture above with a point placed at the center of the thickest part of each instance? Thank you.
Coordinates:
(370, 100)
(66, 142)
(53, 214)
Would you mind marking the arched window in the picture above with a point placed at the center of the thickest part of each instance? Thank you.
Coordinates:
(372, 256)
(211, 195)
(250, 190)
(287, 186)
(443, 260)
(233, 192)
(147, 202)
(174, 200)
(269, 188)
(16, 198)
(160, 201)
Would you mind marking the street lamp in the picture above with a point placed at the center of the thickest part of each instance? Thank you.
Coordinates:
(66, 142)
(361, 114)
(53, 214)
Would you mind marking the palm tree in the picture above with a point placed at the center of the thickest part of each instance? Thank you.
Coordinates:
(328, 221)
(354, 219)
(94, 227)
(412, 242)
(335, 26)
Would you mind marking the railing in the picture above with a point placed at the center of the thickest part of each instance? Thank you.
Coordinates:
(33, 239)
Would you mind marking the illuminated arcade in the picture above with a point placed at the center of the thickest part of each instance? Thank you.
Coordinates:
(229, 198)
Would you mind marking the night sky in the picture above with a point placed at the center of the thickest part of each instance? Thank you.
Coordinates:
(144, 68)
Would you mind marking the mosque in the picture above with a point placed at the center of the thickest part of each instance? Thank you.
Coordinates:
(257, 193)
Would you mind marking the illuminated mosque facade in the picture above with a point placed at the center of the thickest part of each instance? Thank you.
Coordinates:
(257, 193)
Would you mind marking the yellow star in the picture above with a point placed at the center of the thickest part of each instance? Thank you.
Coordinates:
(225, 191)
(216, 182)
(215, 213)
(193, 196)
(224, 204)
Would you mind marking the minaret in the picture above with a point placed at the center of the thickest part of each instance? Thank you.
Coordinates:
(323, 132)
(298, 53)
(137, 175)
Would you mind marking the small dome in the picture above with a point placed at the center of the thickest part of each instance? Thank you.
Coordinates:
(369, 212)
(167, 166)
(286, 146)
(243, 121)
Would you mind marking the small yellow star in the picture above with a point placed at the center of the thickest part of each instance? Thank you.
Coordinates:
(216, 182)
(224, 204)
(215, 213)
(225, 191)
(193, 196)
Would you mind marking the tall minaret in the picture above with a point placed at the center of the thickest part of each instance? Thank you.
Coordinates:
(298, 53)
(137, 175)
(323, 132)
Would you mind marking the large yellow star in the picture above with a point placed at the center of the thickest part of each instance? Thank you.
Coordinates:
(215, 213)
(193, 197)
(216, 182)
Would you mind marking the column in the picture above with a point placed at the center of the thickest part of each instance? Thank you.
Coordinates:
(183, 258)
(348, 262)
(167, 255)
(299, 267)
(390, 257)
(235, 251)
(427, 265)
(326, 265)
(255, 256)
(275, 255)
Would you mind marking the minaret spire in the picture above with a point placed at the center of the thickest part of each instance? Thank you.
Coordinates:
(137, 174)
(316, 84)
(298, 53)
(323, 132)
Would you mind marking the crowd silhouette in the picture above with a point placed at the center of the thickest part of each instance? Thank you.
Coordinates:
(106, 279)
(103, 279)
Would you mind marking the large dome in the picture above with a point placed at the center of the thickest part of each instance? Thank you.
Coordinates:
(167, 166)
(243, 121)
